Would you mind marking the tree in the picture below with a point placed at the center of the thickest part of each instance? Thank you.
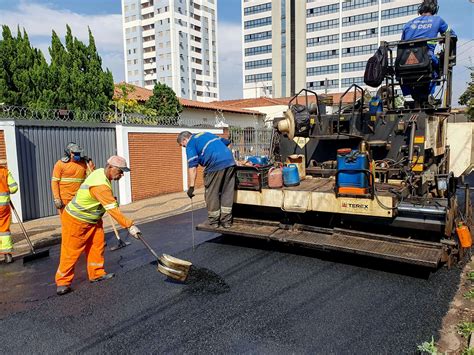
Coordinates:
(73, 80)
(164, 101)
(23, 70)
(467, 98)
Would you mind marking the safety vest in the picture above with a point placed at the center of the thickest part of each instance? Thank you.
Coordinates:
(7, 186)
(86, 207)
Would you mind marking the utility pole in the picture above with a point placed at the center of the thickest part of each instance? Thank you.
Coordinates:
(326, 81)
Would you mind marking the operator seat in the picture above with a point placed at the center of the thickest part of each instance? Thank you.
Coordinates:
(414, 68)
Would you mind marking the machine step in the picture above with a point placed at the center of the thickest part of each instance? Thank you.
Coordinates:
(427, 254)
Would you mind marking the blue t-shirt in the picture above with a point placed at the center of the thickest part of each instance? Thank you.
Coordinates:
(425, 27)
(208, 150)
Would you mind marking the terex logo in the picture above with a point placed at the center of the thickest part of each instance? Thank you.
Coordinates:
(355, 205)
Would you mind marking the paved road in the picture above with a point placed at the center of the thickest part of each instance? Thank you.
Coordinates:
(242, 297)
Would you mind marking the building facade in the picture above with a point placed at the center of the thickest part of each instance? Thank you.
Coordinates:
(172, 42)
(322, 45)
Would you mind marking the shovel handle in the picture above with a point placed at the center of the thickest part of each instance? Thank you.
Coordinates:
(22, 227)
(140, 236)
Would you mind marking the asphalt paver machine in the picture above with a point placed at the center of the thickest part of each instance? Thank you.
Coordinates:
(381, 184)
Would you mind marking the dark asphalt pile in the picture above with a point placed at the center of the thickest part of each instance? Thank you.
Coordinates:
(239, 298)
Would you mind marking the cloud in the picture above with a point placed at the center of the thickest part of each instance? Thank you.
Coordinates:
(40, 20)
(229, 43)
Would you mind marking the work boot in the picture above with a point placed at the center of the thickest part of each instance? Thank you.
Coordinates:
(8, 258)
(104, 277)
(226, 225)
(62, 290)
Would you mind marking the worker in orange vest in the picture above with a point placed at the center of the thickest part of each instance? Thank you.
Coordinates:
(7, 186)
(68, 174)
(82, 224)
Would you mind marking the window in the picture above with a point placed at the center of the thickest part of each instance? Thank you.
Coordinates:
(258, 50)
(322, 10)
(356, 35)
(319, 41)
(322, 25)
(258, 77)
(258, 8)
(355, 4)
(363, 18)
(258, 36)
(258, 64)
(323, 84)
(393, 29)
(400, 11)
(354, 66)
(351, 51)
(310, 57)
(327, 69)
(350, 81)
(258, 22)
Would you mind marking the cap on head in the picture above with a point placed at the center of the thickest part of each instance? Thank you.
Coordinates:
(73, 148)
(118, 162)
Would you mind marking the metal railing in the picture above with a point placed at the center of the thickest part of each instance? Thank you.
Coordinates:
(250, 141)
(38, 114)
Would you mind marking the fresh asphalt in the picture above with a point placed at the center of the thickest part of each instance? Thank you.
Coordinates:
(242, 296)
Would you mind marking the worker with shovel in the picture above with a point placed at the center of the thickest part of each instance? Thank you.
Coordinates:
(212, 152)
(7, 186)
(68, 174)
(82, 229)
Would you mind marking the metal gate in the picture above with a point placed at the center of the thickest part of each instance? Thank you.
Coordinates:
(40, 145)
(250, 141)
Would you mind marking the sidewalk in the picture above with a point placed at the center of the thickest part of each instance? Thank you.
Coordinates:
(47, 231)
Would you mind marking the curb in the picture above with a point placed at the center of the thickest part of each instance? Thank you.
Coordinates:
(55, 238)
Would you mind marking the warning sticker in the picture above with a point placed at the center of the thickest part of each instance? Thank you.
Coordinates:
(412, 59)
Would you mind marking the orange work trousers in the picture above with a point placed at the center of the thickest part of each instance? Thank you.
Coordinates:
(79, 237)
(6, 244)
(61, 210)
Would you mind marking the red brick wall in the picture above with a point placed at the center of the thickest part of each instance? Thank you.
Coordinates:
(3, 149)
(156, 165)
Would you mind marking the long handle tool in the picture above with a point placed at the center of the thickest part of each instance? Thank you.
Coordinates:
(168, 265)
(121, 244)
(34, 254)
(192, 221)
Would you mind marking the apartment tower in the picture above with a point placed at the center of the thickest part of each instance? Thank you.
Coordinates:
(172, 42)
(322, 45)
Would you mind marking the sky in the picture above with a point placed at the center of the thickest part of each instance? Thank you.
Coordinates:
(40, 17)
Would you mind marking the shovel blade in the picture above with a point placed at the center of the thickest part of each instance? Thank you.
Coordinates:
(172, 273)
(35, 256)
(119, 245)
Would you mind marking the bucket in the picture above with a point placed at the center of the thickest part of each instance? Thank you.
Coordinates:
(300, 162)
(464, 235)
(275, 177)
(290, 175)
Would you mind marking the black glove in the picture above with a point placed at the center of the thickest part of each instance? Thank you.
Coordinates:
(190, 192)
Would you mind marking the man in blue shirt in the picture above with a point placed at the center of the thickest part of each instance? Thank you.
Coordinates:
(428, 25)
(211, 152)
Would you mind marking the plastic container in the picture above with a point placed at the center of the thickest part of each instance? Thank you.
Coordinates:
(353, 161)
(251, 177)
(275, 177)
(300, 162)
(464, 235)
(290, 175)
(258, 160)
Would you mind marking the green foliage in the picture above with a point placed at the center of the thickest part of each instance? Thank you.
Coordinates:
(73, 80)
(470, 275)
(164, 101)
(469, 294)
(428, 347)
(467, 98)
(465, 329)
(468, 351)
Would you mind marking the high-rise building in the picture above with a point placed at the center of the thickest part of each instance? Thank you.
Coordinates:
(322, 45)
(172, 42)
